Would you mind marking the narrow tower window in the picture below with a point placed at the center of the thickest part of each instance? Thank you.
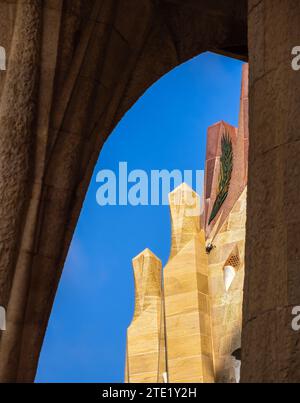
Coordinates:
(229, 274)
(230, 269)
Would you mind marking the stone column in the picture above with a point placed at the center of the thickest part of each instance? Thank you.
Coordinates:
(270, 348)
(144, 333)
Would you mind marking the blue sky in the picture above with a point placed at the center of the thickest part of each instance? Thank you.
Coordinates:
(165, 129)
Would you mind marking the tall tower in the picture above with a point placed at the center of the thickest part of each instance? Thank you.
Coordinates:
(144, 333)
(169, 339)
(187, 306)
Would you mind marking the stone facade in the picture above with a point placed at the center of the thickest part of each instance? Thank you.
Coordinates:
(201, 290)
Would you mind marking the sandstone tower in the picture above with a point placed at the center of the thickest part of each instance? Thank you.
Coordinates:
(187, 321)
(187, 306)
(144, 333)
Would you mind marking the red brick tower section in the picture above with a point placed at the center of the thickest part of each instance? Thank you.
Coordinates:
(218, 204)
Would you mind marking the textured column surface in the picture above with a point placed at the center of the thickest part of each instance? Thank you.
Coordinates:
(144, 333)
(73, 68)
(227, 298)
(270, 348)
(187, 305)
(226, 233)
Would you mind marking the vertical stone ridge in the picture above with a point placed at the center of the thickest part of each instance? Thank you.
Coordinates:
(18, 113)
(243, 128)
(270, 345)
(17, 117)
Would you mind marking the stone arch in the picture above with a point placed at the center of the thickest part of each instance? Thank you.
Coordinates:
(75, 68)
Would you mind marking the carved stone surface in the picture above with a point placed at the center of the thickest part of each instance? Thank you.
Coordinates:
(271, 348)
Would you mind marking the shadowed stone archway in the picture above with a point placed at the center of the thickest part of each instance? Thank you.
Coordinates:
(74, 67)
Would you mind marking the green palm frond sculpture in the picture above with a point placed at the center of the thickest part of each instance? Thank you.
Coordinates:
(226, 166)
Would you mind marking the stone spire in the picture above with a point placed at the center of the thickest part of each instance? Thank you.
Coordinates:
(144, 333)
(185, 213)
(147, 280)
(186, 294)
